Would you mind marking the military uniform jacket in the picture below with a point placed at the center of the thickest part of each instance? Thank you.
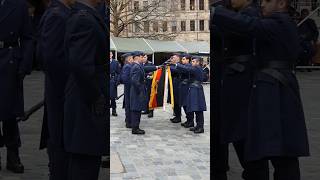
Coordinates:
(17, 58)
(52, 53)
(195, 97)
(114, 78)
(125, 79)
(86, 48)
(184, 86)
(238, 51)
(138, 90)
(276, 124)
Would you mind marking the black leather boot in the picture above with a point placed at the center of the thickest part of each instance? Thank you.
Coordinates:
(138, 131)
(114, 112)
(13, 161)
(176, 120)
(106, 162)
(150, 115)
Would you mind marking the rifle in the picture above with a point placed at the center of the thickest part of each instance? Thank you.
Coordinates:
(31, 111)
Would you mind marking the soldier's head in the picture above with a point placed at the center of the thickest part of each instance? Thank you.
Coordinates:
(269, 7)
(145, 58)
(185, 59)
(128, 58)
(111, 54)
(138, 57)
(196, 61)
(240, 4)
(175, 57)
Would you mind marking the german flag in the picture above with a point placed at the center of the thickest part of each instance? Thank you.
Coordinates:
(161, 81)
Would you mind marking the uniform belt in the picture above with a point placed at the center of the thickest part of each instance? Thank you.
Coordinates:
(196, 83)
(239, 59)
(278, 65)
(8, 44)
(185, 81)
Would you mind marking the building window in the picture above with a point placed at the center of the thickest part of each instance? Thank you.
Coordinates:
(164, 26)
(183, 25)
(174, 26)
(201, 25)
(146, 26)
(183, 5)
(192, 25)
(136, 27)
(136, 6)
(174, 5)
(145, 5)
(201, 4)
(155, 26)
(192, 5)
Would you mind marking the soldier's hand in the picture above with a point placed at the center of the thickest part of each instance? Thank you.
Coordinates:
(100, 106)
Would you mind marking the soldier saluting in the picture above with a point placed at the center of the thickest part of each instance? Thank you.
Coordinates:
(276, 125)
(16, 49)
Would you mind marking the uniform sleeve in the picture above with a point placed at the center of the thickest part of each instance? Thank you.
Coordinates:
(27, 43)
(185, 68)
(52, 35)
(125, 74)
(234, 22)
(81, 42)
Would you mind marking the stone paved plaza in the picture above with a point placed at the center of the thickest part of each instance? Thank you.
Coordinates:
(166, 151)
(34, 160)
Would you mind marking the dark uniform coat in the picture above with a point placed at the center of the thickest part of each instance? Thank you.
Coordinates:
(138, 90)
(236, 82)
(52, 30)
(86, 46)
(115, 70)
(125, 79)
(195, 97)
(148, 77)
(184, 86)
(15, 57)
(276, 125)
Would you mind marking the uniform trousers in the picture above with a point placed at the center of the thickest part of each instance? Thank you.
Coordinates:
(9, 134)
(113, 103)
(135, 118)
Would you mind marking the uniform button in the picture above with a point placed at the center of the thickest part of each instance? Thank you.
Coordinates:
(254, 86)
(11, 62)
(10, 47)
(11, 33)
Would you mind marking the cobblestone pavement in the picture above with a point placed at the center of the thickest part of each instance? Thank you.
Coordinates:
(310, 92)
(34, 160)
(166, 151)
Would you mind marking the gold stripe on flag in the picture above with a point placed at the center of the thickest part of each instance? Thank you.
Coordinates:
(171, 87)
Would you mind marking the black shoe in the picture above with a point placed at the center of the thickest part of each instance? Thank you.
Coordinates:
(138, 131)
(199, 130)
(176, 120)
(189, 125)
(193, 129)
(105, 163)
(13, 161)
(150, 115)
(184, 124)
(114, 112)
(172, 118)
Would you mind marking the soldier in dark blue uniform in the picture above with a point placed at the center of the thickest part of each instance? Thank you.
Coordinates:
(237, 73)
(16, 51)
(195, 100)
(183, 89)
(85, 107)
(176, 78)
(52, 53)
(277, 48)
(115, 70)
(206, 72)
(148, 85)
(125, 79)
(138, 90)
